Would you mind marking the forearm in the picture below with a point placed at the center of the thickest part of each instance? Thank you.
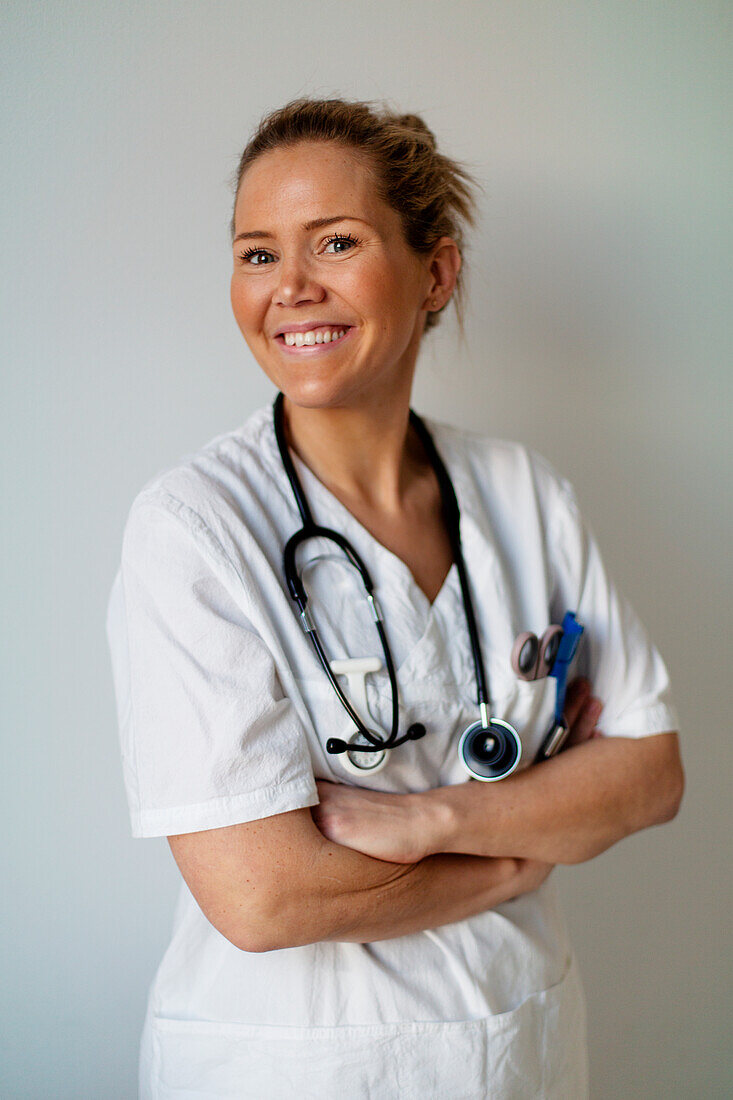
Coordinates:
(353, 898)
(564, 810)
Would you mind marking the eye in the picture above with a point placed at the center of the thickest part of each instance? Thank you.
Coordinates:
(255, 256)
(341, 242)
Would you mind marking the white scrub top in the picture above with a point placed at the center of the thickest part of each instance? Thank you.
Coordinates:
(224, 712)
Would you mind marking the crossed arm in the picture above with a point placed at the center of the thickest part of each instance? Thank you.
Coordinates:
(365, 866)
(581, 803)
(565, 810)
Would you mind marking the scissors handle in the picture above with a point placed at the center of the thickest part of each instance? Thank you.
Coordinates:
(524, 655)
(549, 648)
(532, 657)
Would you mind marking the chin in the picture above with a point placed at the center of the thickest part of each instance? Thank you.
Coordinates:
(314, 393)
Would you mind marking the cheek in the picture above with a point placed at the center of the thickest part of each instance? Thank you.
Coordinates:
(235, 296)
(245, 303)
(386, 297)
(397, 313)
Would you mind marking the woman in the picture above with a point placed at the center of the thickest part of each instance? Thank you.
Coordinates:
(371, 923)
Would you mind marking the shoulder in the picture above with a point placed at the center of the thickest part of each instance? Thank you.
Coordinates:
(501, 470)
(212, 496)
(217, 470)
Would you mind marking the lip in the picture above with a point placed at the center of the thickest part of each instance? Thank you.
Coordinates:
(308, 326)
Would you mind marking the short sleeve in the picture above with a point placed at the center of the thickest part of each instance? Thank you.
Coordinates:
(208, 737)
(615, 653)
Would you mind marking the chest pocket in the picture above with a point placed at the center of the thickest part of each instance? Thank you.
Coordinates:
(529, 706)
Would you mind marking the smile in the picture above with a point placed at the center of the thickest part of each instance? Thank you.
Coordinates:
(323, 335)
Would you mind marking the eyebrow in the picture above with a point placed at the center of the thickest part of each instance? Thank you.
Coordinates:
(317, 223)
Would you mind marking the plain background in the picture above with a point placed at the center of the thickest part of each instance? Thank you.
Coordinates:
(597, 332)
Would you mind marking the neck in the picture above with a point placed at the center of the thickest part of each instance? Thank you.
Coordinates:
(364, 454)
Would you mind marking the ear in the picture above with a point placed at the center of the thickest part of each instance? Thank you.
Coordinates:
(443, 267)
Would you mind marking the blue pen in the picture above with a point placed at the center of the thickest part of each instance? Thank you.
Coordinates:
(558, 732)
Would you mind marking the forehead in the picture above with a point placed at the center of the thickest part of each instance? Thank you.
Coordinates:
(307, 181)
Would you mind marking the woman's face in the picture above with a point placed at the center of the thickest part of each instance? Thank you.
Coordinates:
(318, 254)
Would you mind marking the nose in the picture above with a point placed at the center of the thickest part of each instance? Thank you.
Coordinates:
(296, 283)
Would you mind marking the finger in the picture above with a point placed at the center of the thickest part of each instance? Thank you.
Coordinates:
(585, 723)
(589, 716)
(576, 695)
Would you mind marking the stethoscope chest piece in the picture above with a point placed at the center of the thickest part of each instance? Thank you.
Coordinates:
(356, 670)
(490, 750)
(362, 763)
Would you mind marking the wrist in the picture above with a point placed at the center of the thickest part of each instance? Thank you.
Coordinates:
(440, 819)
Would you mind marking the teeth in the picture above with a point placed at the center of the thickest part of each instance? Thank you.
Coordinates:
(323, 336)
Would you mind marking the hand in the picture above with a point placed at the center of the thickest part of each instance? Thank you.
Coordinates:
(582, 711)
(384, 826)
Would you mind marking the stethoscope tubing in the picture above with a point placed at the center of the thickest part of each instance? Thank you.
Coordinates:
(309, 530)
(452, 516)
(298, 593)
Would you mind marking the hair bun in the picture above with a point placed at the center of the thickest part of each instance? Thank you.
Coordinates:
(415, 123)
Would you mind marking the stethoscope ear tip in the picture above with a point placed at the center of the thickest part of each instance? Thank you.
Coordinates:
(335, 745)
(416, 731)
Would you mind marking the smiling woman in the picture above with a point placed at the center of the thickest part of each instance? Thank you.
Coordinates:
(365, 921)
(347, 277)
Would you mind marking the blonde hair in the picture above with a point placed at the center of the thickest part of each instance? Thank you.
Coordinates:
(432, 194)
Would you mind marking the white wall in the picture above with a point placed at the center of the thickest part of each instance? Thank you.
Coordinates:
(598, 332)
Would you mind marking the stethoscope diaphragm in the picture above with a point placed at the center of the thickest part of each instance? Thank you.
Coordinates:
(365, 762)
(490, 750)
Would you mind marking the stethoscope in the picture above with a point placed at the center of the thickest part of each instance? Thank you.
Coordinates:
(489, 748)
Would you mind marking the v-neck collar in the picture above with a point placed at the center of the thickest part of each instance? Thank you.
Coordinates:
(481, 552)
(329, 503)
(466, 492)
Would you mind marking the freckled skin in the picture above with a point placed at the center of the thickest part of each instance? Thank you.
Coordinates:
(379, 285)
